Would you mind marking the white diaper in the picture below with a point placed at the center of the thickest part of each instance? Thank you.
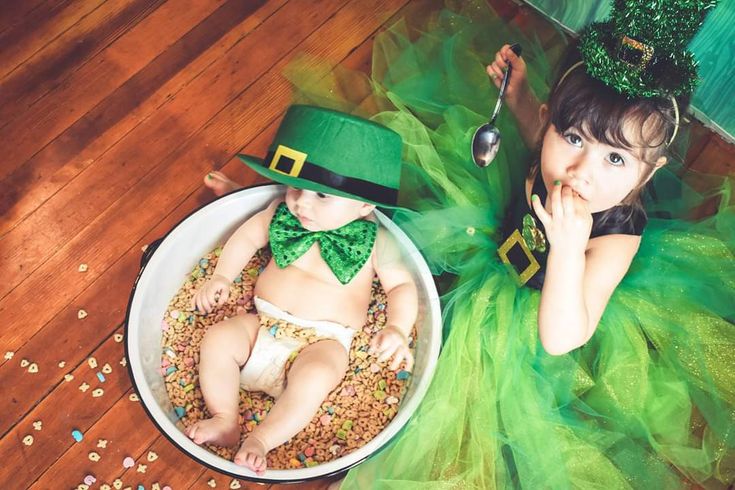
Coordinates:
(265, 370)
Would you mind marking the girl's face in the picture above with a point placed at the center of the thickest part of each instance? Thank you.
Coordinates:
(320, 212)
(601, 174)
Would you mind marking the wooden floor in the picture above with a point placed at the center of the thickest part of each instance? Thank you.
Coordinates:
(110, 114)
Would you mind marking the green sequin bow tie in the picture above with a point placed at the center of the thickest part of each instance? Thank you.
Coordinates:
(345, 250)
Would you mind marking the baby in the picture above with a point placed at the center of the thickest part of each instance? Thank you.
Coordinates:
(327, 247)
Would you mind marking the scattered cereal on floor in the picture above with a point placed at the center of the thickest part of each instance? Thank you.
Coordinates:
(155, 486)
(68, 377)
(83, 387)
(98, 392)
(101, 377)
(152, 456)
(123, 362)
(77, 435)
(105, 486)
(82, 268)
(62, 364)
(118, 337)
(212, 483)
(117, 484)
(82, 486)
(37, 425)
(106, 369)
(142, 468)
(33, 368)
(90, 480)
(24, 363)
(102, 443)
(81, 314)
(235, 484)
(92, 362)
(94, 457)
(28, 440)
(9, 355)
(128, 462)
(133, 397)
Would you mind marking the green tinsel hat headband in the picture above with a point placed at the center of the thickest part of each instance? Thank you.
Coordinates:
(641, 50)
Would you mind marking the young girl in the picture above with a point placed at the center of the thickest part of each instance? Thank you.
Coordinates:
(588, 344)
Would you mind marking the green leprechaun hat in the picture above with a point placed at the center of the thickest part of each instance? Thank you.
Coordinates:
(322, 150)
(641, 51)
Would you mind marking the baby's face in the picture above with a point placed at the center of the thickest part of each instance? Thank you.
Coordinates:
(320, 212)
(602, 175)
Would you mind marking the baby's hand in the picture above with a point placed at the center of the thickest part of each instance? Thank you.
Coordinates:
(518, 83)
(391, 343)
(213, 293)
(566, 219)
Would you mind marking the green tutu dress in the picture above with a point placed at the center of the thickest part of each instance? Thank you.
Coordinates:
(648, 402)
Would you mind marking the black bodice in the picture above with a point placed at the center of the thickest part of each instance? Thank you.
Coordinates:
(524, 245)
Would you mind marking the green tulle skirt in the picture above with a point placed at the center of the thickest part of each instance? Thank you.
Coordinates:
(649, 402)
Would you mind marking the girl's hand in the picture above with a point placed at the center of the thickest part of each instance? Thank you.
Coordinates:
(518, 83)
(390, 342)
(566, 218)
(213, 293)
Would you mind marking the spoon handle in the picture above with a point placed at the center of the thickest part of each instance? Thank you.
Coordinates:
(517, 50)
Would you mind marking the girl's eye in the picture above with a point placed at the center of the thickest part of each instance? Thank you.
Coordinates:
(321, 195)
(573, 139)
(616, 159)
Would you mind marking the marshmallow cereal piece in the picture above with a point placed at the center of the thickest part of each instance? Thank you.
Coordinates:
(118, 337)
(28, 440)
(152, 456)
(24, 363)
(235, 484)
(98, 393)
(92, 362)
(33, 368)
(106, 369)
(93, 456)
(133, 397)
(128, 462)
(117, 484)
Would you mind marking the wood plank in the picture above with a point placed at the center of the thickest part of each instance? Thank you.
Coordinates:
(144, 93)
(65, 409)
(38, 29)
(105, 184)
(93, 81)
(13, 13)
(50, 67)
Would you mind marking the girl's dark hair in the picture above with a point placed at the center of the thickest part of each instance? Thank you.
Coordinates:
(600, 112)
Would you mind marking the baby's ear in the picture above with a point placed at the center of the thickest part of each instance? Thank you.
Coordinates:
(661, 162)
(366, 209)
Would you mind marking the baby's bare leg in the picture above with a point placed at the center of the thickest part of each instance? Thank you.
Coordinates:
(225, 348)
(315, 372)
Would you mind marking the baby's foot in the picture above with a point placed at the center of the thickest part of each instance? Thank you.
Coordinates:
(220, 183)
(217, 430)
(252, 455)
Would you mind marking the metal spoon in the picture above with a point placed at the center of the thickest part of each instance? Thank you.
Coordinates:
(486, 141)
